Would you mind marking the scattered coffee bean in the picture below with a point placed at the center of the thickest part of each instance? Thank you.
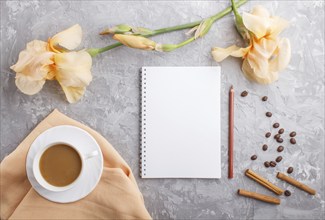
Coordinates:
(287, 193)
(268, 134)
(268, 114)
(264, 147)
(267, 164)
(278, 159)
(244, 93)
(292, 134)
(281, 131)
(254, 157)
(290, 170)
(279, 140)
(276, 125)
(280, 149)
(277, 136)
(264, 98)
(272, 163)
(293, 141)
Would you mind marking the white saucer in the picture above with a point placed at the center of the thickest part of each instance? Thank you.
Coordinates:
(93, 167)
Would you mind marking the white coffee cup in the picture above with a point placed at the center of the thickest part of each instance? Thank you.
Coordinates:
(39, 178)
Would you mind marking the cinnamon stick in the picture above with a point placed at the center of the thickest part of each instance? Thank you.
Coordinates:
(264, 182)
(258, 196)
(296, 183)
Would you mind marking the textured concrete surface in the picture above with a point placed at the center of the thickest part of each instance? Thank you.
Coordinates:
(111, 103)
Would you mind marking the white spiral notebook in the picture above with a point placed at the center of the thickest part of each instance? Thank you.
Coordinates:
(180, 122)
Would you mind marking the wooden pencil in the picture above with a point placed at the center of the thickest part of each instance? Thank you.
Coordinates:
(231, 134)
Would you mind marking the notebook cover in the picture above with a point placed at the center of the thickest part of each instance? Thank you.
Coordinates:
(180, 122)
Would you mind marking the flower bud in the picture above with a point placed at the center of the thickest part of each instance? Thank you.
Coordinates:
(203, 28)
(137, 42)
(142, 31)
(166, 47)
(118, 29)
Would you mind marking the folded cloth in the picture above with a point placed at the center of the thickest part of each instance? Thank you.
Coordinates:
(115, 197)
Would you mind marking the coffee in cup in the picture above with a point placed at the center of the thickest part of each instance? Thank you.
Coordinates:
(60, 165)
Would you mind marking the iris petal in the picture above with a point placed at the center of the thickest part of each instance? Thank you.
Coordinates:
(73, 94)
(282, 56)
(27, 85)
(73, 68)
(257, 25)
(220, 54)
(68, 39)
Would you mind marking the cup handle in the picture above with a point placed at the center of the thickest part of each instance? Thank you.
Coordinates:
(90, 155)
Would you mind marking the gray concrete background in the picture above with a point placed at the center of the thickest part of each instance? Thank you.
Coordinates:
(111, 103)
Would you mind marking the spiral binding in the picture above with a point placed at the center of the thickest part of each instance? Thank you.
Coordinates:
(143, 83)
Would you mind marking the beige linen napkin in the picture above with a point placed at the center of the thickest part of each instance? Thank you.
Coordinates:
(116, 196)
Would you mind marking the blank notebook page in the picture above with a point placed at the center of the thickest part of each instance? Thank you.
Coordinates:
(180, 122)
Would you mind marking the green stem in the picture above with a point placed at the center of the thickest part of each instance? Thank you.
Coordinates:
(228, 10)
(109, 47)
(95, 51)
(186, 42)
(234, 8)
(174, 28)
(241, 29)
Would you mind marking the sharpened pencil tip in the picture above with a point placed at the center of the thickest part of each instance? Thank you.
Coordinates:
(231, 87)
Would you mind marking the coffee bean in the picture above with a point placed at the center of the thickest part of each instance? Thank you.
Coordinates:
(293, 141)
(272, 163)
(264, 147)
(292, 134)
(280, 149)
(268, 134)
(267, 164)
(268, 114)
(278, 159)
(279, 140)
(281, 131)
(244, 93)
(290, 170)
(276, 125)
(254, 157)
(287, 193)
(277, 136)
(264, 98)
